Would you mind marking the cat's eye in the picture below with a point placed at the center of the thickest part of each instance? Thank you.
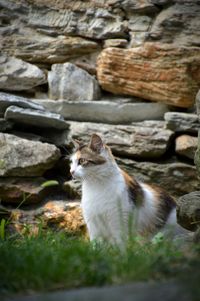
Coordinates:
(82, 161)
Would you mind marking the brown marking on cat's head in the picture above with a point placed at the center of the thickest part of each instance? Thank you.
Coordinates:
(90, 154)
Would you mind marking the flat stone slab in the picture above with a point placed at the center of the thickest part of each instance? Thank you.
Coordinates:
(105, 111)
(35, 118)
(18, 75)
(22, 158)
(7, 100)
(182, 122)
(126, 140)
(167, 291)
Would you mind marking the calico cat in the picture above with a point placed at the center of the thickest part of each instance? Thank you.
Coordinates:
(113, 203)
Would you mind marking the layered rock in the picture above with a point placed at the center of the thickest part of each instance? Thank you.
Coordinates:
(182, 122)
(178, 24)
(131, 141)
(17, 75)
(24, 158)
(154, 72)
(69, 82)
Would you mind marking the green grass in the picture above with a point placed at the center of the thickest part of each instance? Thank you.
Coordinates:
(57, 260)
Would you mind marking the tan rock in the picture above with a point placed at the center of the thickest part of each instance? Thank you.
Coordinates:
(122, 43)
(186, 146)
(156, 72)
(58, 215)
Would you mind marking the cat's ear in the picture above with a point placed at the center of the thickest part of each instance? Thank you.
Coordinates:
(96, 144)
(77, 144)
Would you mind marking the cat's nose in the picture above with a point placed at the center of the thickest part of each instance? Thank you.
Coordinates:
(72, 171)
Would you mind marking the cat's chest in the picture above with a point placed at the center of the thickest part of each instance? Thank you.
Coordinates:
(97, 199)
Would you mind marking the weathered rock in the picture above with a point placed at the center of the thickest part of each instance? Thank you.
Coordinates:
(86, 62)
(40, 48)
(133, 141)
(186, 146)
(179, 23)
(69, 82)
(60, 215)
(43, 32)
(7, 100)
(23, 190)
(137, 39)
(122, 43)
(139, 23)
(17, 75)
(176, 177)
(135, 6)
(41, 119)
(23, 158)
(182, 122)
(155, 72)
(188, 210)
(106, 111)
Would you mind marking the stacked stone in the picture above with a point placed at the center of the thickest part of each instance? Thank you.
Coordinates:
(127, 70)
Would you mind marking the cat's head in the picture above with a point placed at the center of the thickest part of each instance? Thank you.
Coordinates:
(91, 160)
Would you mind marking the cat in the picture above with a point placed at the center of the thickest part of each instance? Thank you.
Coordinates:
(114, 204)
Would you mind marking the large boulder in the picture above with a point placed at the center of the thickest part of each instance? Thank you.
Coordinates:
(17, 75)
(188, 210)
(156, 72)
(69, 82)
(22, 158)
(131, 141)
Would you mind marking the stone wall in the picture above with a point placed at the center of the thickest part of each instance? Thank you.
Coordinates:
(128, 70)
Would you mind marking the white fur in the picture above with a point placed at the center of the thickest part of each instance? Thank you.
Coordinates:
(106, 207)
